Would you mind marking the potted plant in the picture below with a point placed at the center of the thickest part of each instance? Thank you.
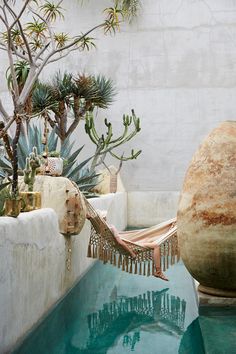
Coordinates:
(9, 204)
(52, 164)
(12, 206)
(31, 200)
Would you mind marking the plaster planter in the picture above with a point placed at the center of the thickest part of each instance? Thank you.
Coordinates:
(62, 195)
(207, 213)
(30, 201)
(52, 166)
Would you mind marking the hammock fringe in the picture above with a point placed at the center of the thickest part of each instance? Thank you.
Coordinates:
(104, 246)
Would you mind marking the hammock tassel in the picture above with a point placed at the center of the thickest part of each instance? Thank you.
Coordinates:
(140, 268)
(104, 256)
(111, 257)
(167, 258)
(123, 264)
(172, 252)
(89, 254)
(95, 251)
(136, 268)
(119, 261)
(114, 259)
(131, 266)
(127, 264)
(164, 257)
(153, 267)
(100, 253)
(149, 270)
(144, 268)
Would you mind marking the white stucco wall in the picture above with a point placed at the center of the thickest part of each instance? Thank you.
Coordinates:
(175, 65)
(150, 208)
(33, 266)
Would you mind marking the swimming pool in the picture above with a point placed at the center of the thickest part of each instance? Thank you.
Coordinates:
(113, 312)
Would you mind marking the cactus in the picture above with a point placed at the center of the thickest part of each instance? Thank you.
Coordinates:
(106, 143)
(32, 163)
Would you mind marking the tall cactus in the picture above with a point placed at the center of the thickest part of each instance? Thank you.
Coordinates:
(32, 163)
(105, 144)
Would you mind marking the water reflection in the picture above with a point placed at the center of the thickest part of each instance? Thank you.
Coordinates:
(112, 313)
(150, 312)
(192, 341)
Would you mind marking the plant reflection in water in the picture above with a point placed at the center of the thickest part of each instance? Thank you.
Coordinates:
(150, 312)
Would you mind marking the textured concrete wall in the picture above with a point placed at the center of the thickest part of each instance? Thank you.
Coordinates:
(150, 208)
(176, 67)
(34, 270)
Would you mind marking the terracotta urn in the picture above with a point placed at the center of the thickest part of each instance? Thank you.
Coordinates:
(207, 213)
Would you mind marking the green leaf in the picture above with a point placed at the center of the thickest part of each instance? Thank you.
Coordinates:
(66, 148)
(87, 186)
(79, 167)
(52, 141)
(75, 154)
(87, 178)
(4, 185)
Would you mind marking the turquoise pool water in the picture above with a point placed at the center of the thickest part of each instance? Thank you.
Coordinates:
(112, 312)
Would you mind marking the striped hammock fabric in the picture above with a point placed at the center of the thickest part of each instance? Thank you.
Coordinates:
(145, 252)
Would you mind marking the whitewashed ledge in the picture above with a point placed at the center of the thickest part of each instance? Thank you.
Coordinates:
(34, 264)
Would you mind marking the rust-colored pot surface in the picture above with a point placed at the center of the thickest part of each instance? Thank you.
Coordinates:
(207, 213)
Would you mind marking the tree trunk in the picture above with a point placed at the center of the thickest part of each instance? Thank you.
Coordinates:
(15, 158)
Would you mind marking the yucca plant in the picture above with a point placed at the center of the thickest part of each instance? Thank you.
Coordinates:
(61, 39)
(21, 70)
(86, 42)
(126, 9)
(52, 11)
(36, 28)
(130, 8)
(67, 95)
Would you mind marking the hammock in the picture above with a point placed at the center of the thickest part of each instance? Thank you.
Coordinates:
(145, 252)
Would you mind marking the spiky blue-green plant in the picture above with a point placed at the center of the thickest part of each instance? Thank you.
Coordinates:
(77, 172)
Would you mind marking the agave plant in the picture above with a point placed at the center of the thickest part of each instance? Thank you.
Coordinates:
(77, 172)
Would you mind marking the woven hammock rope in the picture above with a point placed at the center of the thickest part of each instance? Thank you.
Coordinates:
(104, 246)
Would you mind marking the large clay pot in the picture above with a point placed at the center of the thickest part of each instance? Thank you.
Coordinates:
(207, 213)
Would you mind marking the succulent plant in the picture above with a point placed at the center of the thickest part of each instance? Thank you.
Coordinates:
(78, 172)
(31, 166)
(106, 143)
